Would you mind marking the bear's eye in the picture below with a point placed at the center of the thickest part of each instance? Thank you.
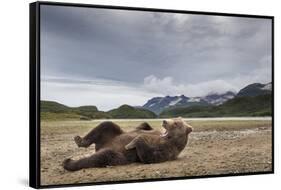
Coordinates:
(177, 124)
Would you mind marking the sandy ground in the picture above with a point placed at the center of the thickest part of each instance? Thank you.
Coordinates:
(215, 147)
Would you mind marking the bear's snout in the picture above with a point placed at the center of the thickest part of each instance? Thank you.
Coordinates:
(165, 124)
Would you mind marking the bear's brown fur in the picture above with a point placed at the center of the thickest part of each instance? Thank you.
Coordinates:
(144, 144)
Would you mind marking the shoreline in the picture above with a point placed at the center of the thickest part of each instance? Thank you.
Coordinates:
(197, 119)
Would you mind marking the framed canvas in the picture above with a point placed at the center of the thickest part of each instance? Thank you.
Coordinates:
(126, 94)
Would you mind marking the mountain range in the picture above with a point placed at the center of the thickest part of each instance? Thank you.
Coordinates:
(252, 100)
(260, 105)
(159, 104)
(255, 89)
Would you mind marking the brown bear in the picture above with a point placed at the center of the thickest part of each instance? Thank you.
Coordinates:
(144, 144)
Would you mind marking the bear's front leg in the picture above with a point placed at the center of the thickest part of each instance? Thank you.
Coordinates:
(133, 143)
(144, 126)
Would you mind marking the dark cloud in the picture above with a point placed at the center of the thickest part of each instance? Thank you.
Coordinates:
(131, 46)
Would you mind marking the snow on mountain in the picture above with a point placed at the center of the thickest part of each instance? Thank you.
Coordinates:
(152, 104)
(255, 89)
(158, 104)
(218, 99)
(267, 86)
(194, 99)
(174, 102)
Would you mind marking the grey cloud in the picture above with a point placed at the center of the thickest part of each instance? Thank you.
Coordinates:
(128, 46)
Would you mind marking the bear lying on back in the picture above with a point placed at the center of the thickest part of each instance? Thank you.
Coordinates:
(144, 144)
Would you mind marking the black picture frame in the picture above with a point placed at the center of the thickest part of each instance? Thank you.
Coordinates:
(34, 91)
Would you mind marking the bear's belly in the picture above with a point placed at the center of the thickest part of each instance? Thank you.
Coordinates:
(119, 142)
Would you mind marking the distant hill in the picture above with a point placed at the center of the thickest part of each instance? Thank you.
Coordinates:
(55, 107)
(51, 110)
(126, 111)
(238, 106)
(255, 89)
(56, 111)
(252, 100)
(158, 104)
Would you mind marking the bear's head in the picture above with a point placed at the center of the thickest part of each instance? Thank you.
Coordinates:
(176, 128)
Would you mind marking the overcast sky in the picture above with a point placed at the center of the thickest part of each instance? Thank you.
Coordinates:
(108, 58)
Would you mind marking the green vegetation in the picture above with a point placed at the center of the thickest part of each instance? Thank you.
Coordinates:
(59, 116)
(239, 106)
(53, 107)
(126, 111)
(55, 111)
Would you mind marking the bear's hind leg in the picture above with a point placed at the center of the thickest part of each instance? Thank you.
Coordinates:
(104, 131)
(81, 142)
(102, 158)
